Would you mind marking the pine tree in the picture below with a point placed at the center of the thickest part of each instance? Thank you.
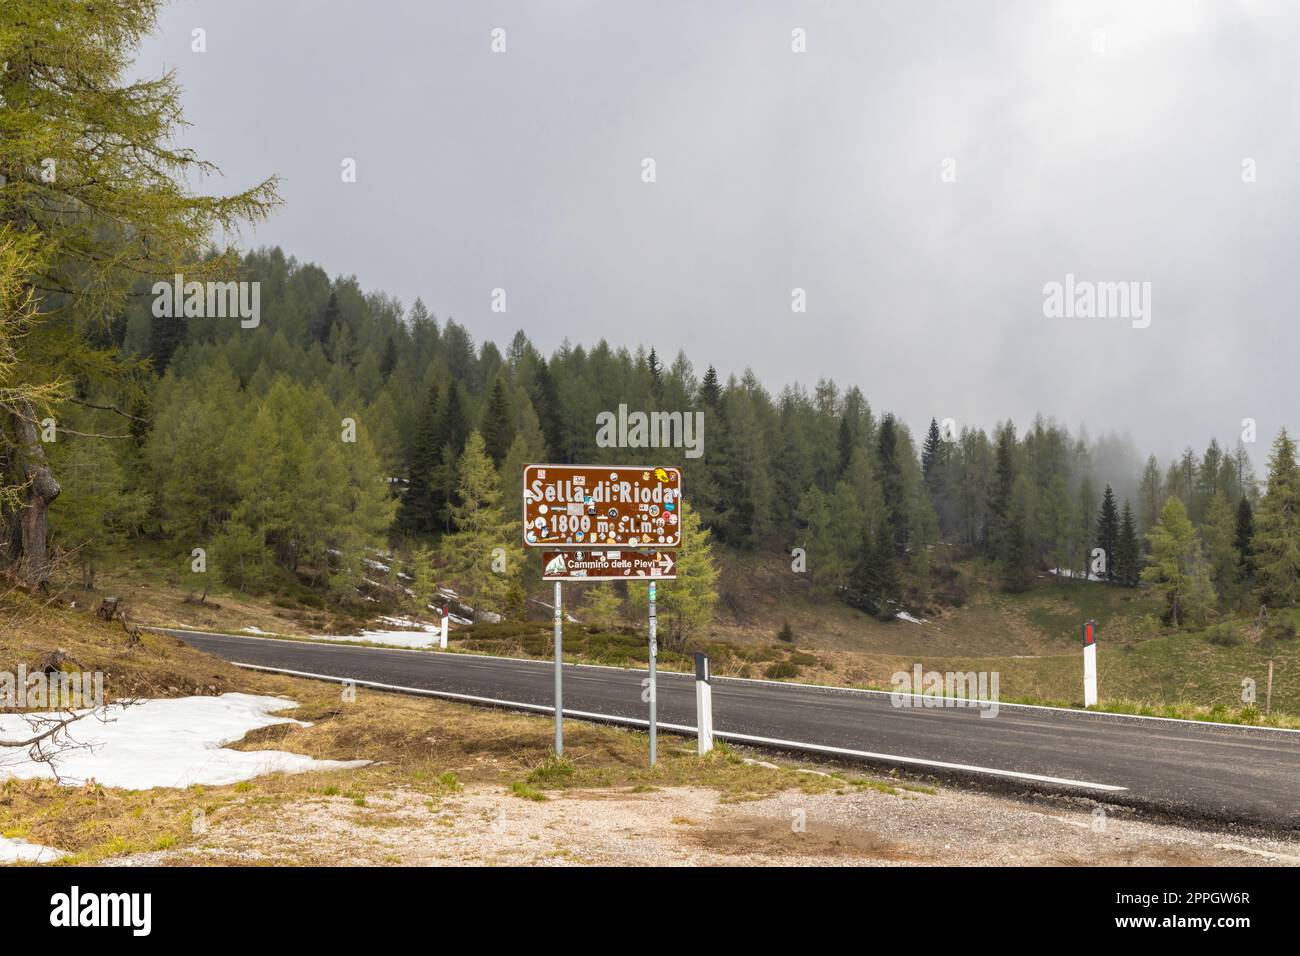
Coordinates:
(497, 431)
(931, 451)
(1177, 566)
(546, 400)
(449, 440)
(389, 362)
(1243, 538)
(1015, 553)
(418, 511)
(999, 505)
(1276, 541)
(875, 583)
(1108, 531)
(1128, 552)
(166, 334)
(656, 376)
(710, 390)
(324, 322)
(891, 481)
(846, 445)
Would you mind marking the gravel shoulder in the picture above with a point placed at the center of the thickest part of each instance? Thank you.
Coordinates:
(695, 826)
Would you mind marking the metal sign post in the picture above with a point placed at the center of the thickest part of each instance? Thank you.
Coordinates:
(559, 675)
(654, 652)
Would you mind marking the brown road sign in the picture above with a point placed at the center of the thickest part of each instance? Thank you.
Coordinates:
(593, 565)
(587, 506)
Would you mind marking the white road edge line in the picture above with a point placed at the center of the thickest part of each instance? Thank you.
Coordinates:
(685, 729)
(829, 688)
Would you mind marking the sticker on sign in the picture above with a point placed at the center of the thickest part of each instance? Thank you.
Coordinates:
(592, 565)
(586, 506)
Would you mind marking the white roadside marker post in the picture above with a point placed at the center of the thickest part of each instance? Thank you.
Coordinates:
(703, 703)
(442, 630)
(1089, 663)
(654, 652)
(559, 676)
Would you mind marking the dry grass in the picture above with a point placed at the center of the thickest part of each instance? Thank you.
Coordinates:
(159, 666)
(428, 747)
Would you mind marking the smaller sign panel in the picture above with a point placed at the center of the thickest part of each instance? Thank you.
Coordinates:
(602, 506)
(591, 565)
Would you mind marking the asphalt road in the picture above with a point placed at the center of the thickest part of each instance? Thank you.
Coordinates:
(1215, 772)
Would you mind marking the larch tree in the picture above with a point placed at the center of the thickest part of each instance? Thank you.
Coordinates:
(1178, 567)
(482, 550)
(91, 177)
(1219, 532)
(686, 605)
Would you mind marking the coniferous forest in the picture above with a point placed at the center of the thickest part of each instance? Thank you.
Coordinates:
(232, 441)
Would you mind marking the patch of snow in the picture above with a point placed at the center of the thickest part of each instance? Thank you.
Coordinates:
(176, 742)
(20, 851)
(408, 622)
(904, 616)
(390, 638)
(253, 630)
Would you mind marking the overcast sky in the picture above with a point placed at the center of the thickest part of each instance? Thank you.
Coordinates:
(1104, 140)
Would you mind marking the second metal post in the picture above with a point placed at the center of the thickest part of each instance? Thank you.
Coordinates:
(654, 652)
(559, 677)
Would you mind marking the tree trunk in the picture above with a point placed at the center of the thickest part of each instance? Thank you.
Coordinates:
(38, 489)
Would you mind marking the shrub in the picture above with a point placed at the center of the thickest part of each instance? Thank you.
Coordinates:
(1223, 635)
(1280, 629)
